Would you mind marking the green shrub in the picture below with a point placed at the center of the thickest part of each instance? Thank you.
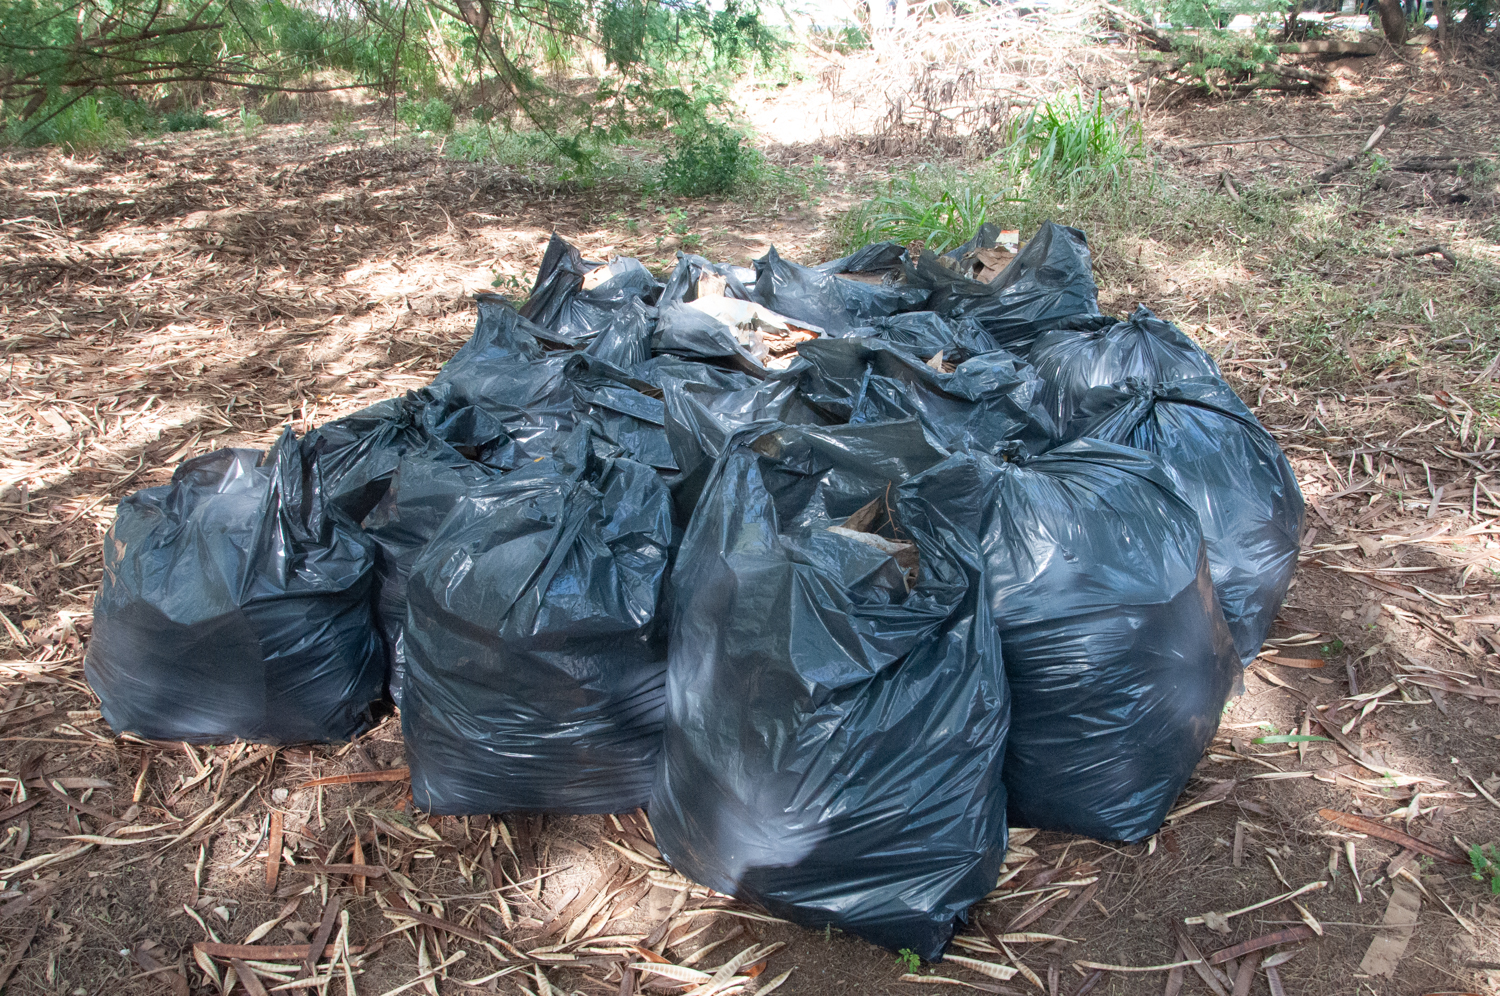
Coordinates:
(434, 115)
(1066, 137)
(933, 207)
(186, 119)
(86, 123)
(706, 158)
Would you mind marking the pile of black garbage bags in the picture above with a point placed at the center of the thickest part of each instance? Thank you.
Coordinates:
(838, 570)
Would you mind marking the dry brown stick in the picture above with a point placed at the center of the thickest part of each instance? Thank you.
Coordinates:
(45, 784)
(1375, 136)
(17, 953)
(1363, 825)
(1229, 188)
(384, 775)
(273, 852)
(437, 922)
(313, 868)
(1432, 250)
(320, 938)
(1288, 936)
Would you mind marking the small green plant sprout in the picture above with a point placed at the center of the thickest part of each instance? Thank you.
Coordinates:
(1333, 647)
(1486, 862)
(909, 959)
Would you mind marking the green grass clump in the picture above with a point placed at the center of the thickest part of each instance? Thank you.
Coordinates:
(434, 115)
(707, 158)
(1074, 138)
(1486, 862)
(937, 207)
(1067, 149)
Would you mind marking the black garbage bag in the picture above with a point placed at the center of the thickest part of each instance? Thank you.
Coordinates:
(396, 468)
(236, 605)
(574, 300)
(873, 282)
(701, 419)
(834, 296)
(983, 403)
(686, 278)
(692, 333)
(357, 455)
(1073, 361)
(1118, 658)
(623, 418)
(626, 341)
(1048, 285)
(837, 706)
(1230, 469)
(505, 370)
(925, 335)
(878, 259)
(429, 478)
(801, 293)
(535, 649)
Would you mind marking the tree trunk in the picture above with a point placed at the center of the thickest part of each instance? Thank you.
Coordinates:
(1393, 21)
(1289, 27)
(1445, 27)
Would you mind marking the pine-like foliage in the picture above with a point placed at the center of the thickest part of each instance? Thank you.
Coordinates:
(581, 70)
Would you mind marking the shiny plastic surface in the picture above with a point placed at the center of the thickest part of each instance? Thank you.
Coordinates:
(986, 402)
(1050, 280)
(834, 741)
(1229, 468)
(534, 641)
(1118, 657)
(1071, 362)
(236, 605)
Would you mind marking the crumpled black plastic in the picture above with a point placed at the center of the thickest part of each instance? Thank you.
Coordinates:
(559, 304)
(1116, 651)
(534, 641)
(834, 742)
(873, 282)
(877, 258)
(1230, 469)
(504, 369)
(925, 335)
(701, 419)
(427, 482)
(625, 420)
(1073, 361)
(802, 293)
(1048, 285)
(987, 402)
(682, 330)
(682, 283)
(236, 605)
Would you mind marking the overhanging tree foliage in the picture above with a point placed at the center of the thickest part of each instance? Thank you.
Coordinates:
(580, 68)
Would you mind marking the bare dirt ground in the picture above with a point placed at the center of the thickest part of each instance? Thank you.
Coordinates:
(178, 296)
